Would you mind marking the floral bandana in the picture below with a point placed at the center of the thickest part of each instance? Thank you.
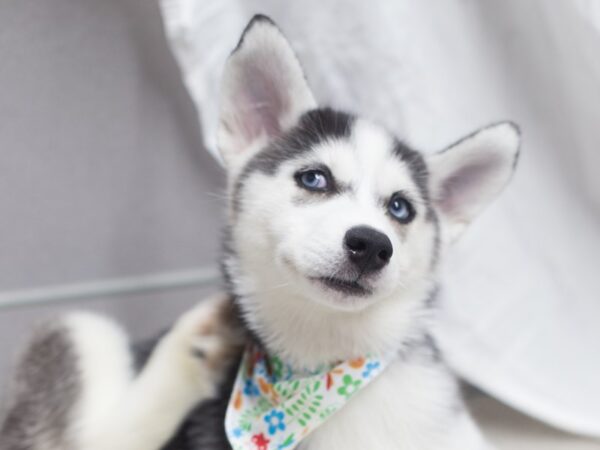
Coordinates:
(273, 407)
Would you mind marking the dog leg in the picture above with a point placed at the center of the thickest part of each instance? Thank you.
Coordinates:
(183, 370)
(76, 387)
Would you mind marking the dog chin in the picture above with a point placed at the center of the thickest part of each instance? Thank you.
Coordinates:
(343, 287)
(343, 302)
(337, 293)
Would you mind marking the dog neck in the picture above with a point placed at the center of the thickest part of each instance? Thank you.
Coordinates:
(307, 334)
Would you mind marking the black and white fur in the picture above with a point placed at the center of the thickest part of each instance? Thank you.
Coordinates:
(293, 282)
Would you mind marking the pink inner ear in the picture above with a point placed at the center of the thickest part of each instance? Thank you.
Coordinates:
(465, 184)
(262, 101)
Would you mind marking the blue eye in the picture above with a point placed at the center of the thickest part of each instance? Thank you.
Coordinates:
(401, 209)
(313, 180)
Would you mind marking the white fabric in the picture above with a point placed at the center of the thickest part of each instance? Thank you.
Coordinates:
(274, 406)
(521, 302)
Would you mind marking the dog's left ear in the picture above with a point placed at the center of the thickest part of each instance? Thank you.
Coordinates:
(468, 175)
(263, 92)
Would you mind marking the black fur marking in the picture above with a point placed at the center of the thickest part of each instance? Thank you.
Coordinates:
(513, 125)
(200, 354)
(47, 384)
(516, 128)
(420, 175)
(422, 347)
(229, 254)
(416, 163)
(314, 127)
(422, 344)
(433, 300)
(437, 239)
(257, 19)
(310, 198)
(422, 350)
(205, 426)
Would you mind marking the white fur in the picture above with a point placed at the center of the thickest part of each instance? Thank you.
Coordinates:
(117, 411)
(283, 238)
(294, 242)
(405, 408)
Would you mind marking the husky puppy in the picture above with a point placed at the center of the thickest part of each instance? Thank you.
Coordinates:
(335, 234)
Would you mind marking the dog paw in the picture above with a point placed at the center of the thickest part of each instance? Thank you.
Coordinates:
(203, 340)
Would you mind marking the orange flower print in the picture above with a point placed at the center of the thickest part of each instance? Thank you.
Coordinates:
(237, 402)
(264, 386)
(357, 363)
(329, 377)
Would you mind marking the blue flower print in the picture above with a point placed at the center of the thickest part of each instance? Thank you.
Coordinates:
(237, 432)
(275, 421)
(369, 368)
(250, 388)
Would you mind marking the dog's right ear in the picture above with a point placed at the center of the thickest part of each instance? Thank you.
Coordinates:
(263, 94)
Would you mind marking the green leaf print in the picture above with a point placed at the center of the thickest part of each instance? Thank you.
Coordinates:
(288, 441)
(307, 406)
(350, 386)
(326, 412)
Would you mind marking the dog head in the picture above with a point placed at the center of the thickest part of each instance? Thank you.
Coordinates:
(330, 209)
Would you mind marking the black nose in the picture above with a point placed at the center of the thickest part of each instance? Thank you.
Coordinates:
(367, 248)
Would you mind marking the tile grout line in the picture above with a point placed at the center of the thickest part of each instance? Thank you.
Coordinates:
(85, 291)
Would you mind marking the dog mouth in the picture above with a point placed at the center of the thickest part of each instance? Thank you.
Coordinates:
(346, 287)
(350, 288)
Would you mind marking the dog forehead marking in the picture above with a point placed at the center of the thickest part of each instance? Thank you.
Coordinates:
(358, 152)
(367, 161)
(314, 127)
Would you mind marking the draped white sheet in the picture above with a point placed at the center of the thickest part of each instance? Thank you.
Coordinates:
(521, 299)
